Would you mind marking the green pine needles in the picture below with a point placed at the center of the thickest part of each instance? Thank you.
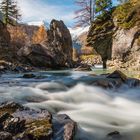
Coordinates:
(10, 12)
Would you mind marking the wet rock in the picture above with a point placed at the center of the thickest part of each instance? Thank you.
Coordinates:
(4, 117)
(27, 124)
(10, 107)
(19, 69)
(64, 128)
(117, 74)
(30, 115)
(132, 82)
(108, 83)
(114, 136)
(83, 68)
(38, 130)
(69, 131)
(14, 125)
(5, 136)
(29, 75)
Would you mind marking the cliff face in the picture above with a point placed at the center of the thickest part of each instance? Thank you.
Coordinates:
(119, 37)
(22, 34)
(4, 36)
(100, 36)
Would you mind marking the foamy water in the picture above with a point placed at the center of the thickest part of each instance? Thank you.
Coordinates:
(97, 111)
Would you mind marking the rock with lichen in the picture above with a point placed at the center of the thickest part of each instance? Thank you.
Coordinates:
(20, 123)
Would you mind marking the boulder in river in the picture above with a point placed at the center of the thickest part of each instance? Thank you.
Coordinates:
(118, 74)
(29, 75)
(114, 136)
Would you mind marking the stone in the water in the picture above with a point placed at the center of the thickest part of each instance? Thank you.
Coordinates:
(5, 136)
(114, 136)
(69, 131)
(39, 130)
(4, 117)
(64, 127)
(83, 68)
(14, 125)
(29, 75)
(10, 107)
(118, 74)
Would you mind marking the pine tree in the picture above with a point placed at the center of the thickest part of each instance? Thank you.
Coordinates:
(102, 7)
(90, 10)
(10, 12)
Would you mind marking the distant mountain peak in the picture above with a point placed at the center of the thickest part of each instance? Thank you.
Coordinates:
(39, 23)
(76, 32)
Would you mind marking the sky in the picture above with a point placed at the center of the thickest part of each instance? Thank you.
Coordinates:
(46, 10)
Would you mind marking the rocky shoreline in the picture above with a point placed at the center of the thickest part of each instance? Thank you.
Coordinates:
(21, 123)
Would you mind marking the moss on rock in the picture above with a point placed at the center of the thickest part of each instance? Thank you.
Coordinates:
(39, 129)
(127, 15)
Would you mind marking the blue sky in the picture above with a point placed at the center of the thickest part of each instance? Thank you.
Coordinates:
(37, 10)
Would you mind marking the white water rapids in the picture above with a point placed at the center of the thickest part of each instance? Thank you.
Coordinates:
(97, 111)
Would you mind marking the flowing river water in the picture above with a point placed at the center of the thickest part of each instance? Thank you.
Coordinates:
(97, 111)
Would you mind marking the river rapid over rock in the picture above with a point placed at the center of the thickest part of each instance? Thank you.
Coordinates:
(98, 111)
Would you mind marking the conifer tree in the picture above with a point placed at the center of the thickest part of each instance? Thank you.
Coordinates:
(90, 10)
(10, 12)
(102, 7)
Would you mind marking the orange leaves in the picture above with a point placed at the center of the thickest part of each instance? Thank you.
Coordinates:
(40, 35)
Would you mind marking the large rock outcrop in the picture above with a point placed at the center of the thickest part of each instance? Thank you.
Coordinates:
(55, 51)
(4, 36)
(59, 43)
(100, 36)
(118, 37)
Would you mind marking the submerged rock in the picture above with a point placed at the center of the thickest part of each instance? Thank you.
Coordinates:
(29, 75)
(114, 136)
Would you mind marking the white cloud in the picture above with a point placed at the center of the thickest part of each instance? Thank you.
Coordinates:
(37, 10)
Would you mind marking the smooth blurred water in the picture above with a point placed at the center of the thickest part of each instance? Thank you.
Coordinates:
(97, 111)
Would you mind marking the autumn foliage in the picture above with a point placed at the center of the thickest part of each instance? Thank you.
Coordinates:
(40, 35)
(19, 38)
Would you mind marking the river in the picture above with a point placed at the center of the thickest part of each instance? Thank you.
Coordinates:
(97, 111)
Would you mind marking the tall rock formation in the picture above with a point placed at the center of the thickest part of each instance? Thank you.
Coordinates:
(118, 37)
(55, 51)
(100, 36)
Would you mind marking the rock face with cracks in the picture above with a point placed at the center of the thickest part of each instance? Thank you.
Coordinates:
(55, 51)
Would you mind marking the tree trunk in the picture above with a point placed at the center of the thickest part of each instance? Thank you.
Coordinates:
(104, 64)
